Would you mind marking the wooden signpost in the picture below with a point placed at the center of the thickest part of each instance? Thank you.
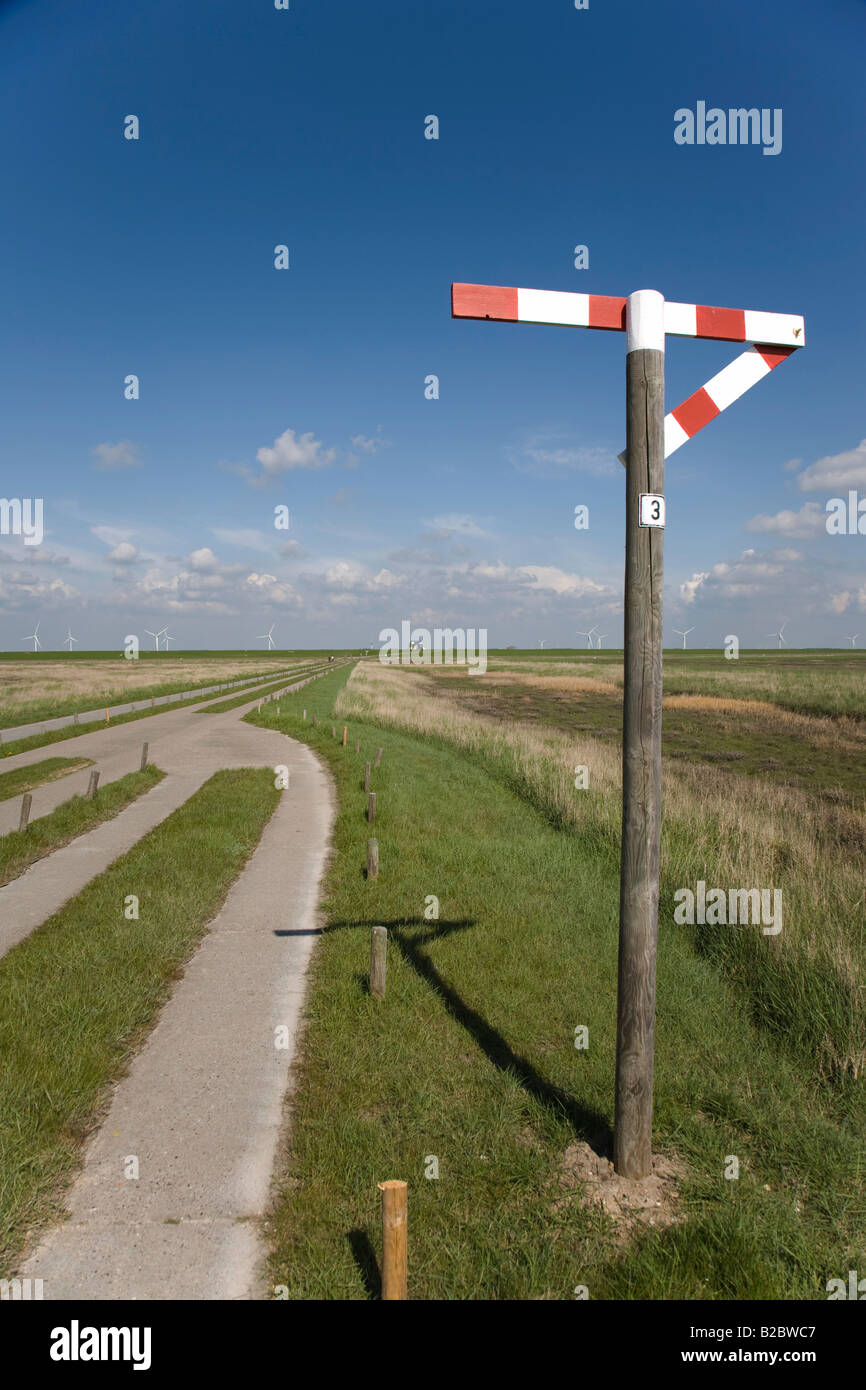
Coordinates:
(646, 318)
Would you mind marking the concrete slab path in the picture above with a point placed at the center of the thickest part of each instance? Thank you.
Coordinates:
(201, 1107)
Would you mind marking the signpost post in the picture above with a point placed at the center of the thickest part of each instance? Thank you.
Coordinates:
(651, 436)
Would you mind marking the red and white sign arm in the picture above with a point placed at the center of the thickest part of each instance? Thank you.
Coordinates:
(775, 337)
(507, 304)
(720, 391)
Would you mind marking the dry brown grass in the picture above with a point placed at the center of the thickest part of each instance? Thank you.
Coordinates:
(726, 829)
(28, 683)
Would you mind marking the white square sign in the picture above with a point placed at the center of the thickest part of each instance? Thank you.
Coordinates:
(652, 509)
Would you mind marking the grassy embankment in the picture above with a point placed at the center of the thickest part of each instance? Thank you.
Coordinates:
(79, 994)
(24, 745)
(21, 848)
(471, 1057)
(33, 692)
(24, 779)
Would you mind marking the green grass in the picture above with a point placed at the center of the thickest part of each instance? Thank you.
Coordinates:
(471, 1059)
(24, 779)
(21, 848)
(78, 995)
(237, 700)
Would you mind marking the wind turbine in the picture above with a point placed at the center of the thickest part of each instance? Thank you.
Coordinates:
(779, 634)
(167, 637)
(70, 639)
(680, 633)
(542, 642)
(34, 638)
(587, 635)
(599, 640)
(156, 636)
(268, 636)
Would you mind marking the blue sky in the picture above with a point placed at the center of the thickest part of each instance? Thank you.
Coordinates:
(305, 387)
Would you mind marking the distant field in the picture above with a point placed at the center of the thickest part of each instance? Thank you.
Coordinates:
(50, 685)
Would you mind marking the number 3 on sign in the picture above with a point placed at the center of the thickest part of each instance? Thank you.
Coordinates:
(652, 509)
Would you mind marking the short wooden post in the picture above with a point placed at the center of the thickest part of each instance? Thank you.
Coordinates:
(395, 1261)
(93, 784)
(641, 737)
(372, 858)
(371, 808)
(143, 757)
(378, 961)
(25, 811)
(314, 721)
(333, 732)
(75, 718)
(106, 716)
(378, 757)
(305, 714)
(344, 735)
(366, 777)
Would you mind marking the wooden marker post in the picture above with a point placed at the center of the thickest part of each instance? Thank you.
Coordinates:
(143, 757)
(357, 745)
(378, 961)
(92, 784)
(378, 757)
(106, 716)
(641, 732)
(344, 735)
(25, 811)
(395, 1261)
(372, 858)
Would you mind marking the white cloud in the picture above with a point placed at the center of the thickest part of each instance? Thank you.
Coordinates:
(368, 446)
(290, 451)
(269, 588)
(810, 520)
(111, 458)
(559, 581)
(839, 602)
(836, 471)
(203, 560)
(690, 588)
(124, 554)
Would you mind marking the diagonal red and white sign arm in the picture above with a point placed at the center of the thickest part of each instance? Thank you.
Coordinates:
(775, 337)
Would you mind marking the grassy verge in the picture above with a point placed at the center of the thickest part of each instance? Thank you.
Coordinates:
(24, 745)
(471, 1059)
(20, 849)
(24, 779)
(77, 997)
(55, 705)
(237, 700)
